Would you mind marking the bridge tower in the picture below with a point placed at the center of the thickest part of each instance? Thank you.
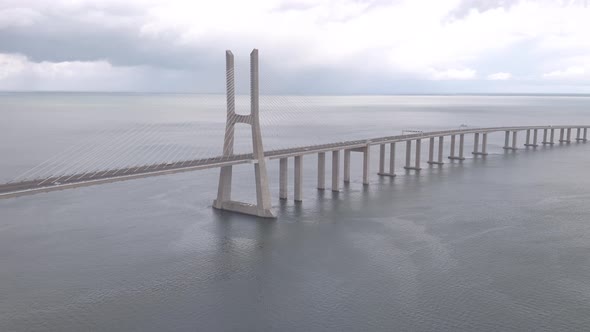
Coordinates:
(262, 208)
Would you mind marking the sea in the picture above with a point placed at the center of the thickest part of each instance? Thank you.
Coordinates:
(495, 243)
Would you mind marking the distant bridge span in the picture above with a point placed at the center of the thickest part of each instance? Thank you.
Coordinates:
(259, 157)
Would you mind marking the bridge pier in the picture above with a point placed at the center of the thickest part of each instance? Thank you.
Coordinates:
(409, 155)
(507, 141)
(366, 150)
(321, 170)
(298, 178)
(431, 150)
(391, 160)
(283, 178)
(336, 170)
(528, 138)
(440, 152)
(579, 137)
(461, 144)
(561, 135)
(366, 164)
(545, 141)
(483, 144)
(514, 137)
(346, 165)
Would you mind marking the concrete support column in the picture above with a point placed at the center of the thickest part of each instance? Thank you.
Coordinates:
(569, 135)
(298, 178)
(431, 151)
(408, 154)
(561, 135)
(552, 141)
(381, 159)
(461, 146)
(392, 159)
(335, 170)
(545, 137)
(283, 178)
(484, 143)
(391, 172)
(322, 170)
(440, 152)
(585, 134)
(507, 141)
(476, 143)
(347, 166)
(514, 136)
(440, 149)
(366, 164)
(417, 158)
(579, 134)
(528, 141)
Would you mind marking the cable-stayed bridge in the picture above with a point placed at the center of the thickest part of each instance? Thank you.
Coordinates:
(62, 171)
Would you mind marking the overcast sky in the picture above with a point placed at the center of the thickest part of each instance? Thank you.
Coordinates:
(306, 46)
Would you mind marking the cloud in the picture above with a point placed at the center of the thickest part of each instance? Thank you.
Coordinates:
(501, 76)
(376, 40)
(18, 17)
(568, 73)
(17, 72)
(453, 74)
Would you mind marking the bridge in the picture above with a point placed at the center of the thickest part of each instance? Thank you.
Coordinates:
(535, 136)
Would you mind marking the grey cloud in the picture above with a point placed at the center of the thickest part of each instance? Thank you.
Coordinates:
(466, 6)
(63, 39)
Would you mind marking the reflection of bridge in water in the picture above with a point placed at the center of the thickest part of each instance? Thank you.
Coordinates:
(259, 157)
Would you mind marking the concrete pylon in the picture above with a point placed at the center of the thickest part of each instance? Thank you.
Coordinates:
(262, 208)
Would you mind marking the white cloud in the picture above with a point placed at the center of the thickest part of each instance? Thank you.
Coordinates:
(568, 73)
(453, 74)
(501, 76)
(18, 72)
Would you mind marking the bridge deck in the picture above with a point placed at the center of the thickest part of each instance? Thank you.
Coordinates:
(84, 179)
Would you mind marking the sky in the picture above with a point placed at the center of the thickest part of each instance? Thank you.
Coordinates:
(306, 46)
